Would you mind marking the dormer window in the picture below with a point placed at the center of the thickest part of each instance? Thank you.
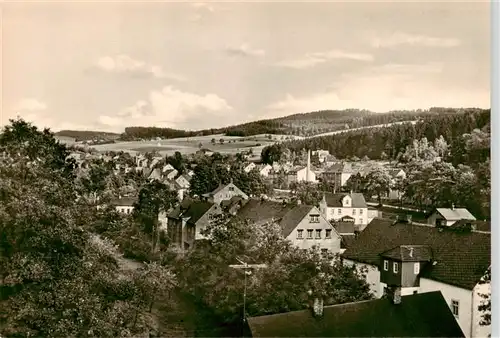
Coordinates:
(231, 188)
(395, 267)
(386, 265)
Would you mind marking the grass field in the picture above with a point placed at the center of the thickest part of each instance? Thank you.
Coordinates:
(189, 145)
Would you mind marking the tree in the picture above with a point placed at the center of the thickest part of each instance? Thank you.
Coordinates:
(205, 272)
(200, 145)
(378, 183)
(485, 305)
(154, 197)
(221, 141)
(212, 141)
(154, 281)
(54, 279)
(271, 154)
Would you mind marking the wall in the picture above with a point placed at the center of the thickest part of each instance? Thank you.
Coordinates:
(204, 220)
(358, 219)
(372, 277)
(302, 175)
(450, 292)
(332, 244)
(344, 177)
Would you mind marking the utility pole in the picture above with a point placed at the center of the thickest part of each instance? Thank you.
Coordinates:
(246, 269)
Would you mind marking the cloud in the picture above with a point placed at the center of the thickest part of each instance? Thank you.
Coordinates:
(313, 59)
(124, 64)
(400, 38)
(245, 51)
(383, 88)
(173, 108)
(30, 104)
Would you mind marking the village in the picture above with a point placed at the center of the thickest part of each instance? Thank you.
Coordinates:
(421, 261)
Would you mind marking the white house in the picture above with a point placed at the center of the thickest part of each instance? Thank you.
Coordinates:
(265, 170)
(449, 216)
(167, 167)
(303, 225)
(418, 258)
(183, 181)
(322, 154)
(170, 174)
(344, 205)
(124, 205)
(249, 167)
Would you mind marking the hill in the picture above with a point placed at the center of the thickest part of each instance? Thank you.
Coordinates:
(306, 124)
(87, 135)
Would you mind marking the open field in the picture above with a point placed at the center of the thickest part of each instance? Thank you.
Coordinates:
(189, 145)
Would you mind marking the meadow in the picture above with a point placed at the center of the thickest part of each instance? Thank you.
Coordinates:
(189, 145)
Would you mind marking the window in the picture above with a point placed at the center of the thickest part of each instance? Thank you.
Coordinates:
(416, 268)
(395, 267)
(299, 234)
(318, 234)
(328, 233)
(354, 212)
(454, 307)
(361, 211)
(314, 219)
(386, 265)
(360, 221)
(231, 188)
(339, 211)
(309, 234)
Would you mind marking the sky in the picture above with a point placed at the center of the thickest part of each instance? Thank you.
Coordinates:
(109, 65)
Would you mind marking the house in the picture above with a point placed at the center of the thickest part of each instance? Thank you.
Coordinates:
(187, 222)
(170, 174)
(338, 173)
(155, 161)
(419, 315)
(249, 167)
(449, 216)
(233, 205)
(224, 192)
(174, 186)
(155, 175)
(336, 206)
(420, 258)
(124, 205)
(395, 174)
(303, 225)
(167, 167)
(265, 171)
(322, 154)
(183, 181)
(306, 174)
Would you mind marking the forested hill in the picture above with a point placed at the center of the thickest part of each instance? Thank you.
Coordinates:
(306, 124)
(388, 142)
(87, 135)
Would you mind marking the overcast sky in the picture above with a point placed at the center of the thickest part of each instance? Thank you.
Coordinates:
(105, 66)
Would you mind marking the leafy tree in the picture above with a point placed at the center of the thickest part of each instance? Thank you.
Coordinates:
(282, 286)
(221, 141)
(485, 305)
(378, 183)
(271, 154)
(307, 192)
(212, 141)
(154, 281)
(54, 279)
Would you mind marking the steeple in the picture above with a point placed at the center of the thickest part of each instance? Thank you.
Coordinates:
(308, 170)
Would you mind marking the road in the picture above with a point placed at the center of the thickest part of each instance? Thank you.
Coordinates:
(361, 128)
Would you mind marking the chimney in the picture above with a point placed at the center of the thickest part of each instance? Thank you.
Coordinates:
(318, 307)
(396, 295)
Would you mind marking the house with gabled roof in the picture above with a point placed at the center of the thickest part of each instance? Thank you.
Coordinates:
(334, 207)
(419, 315)
(170, 174)
(183, 181)
(155, 175)
(223, 193)
(166, 167)
(124, 205)
(303, 225)
(265, 171)
(415, 258)
(449, 216)
(249, 167)
(338, 173)
(188, 220)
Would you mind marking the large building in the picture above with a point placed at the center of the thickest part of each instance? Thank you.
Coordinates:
(349, 207)
(420, 258)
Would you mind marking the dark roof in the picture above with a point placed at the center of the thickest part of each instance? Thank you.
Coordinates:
(462, 258)
(259, 211)
(293, 217)
(233, 201)
(344, 227)
(347, 240)
(418, 315)
(409, 253)
(124, 201)
(196, 210)
(146, 172)
(335, 200)
(477, 225)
